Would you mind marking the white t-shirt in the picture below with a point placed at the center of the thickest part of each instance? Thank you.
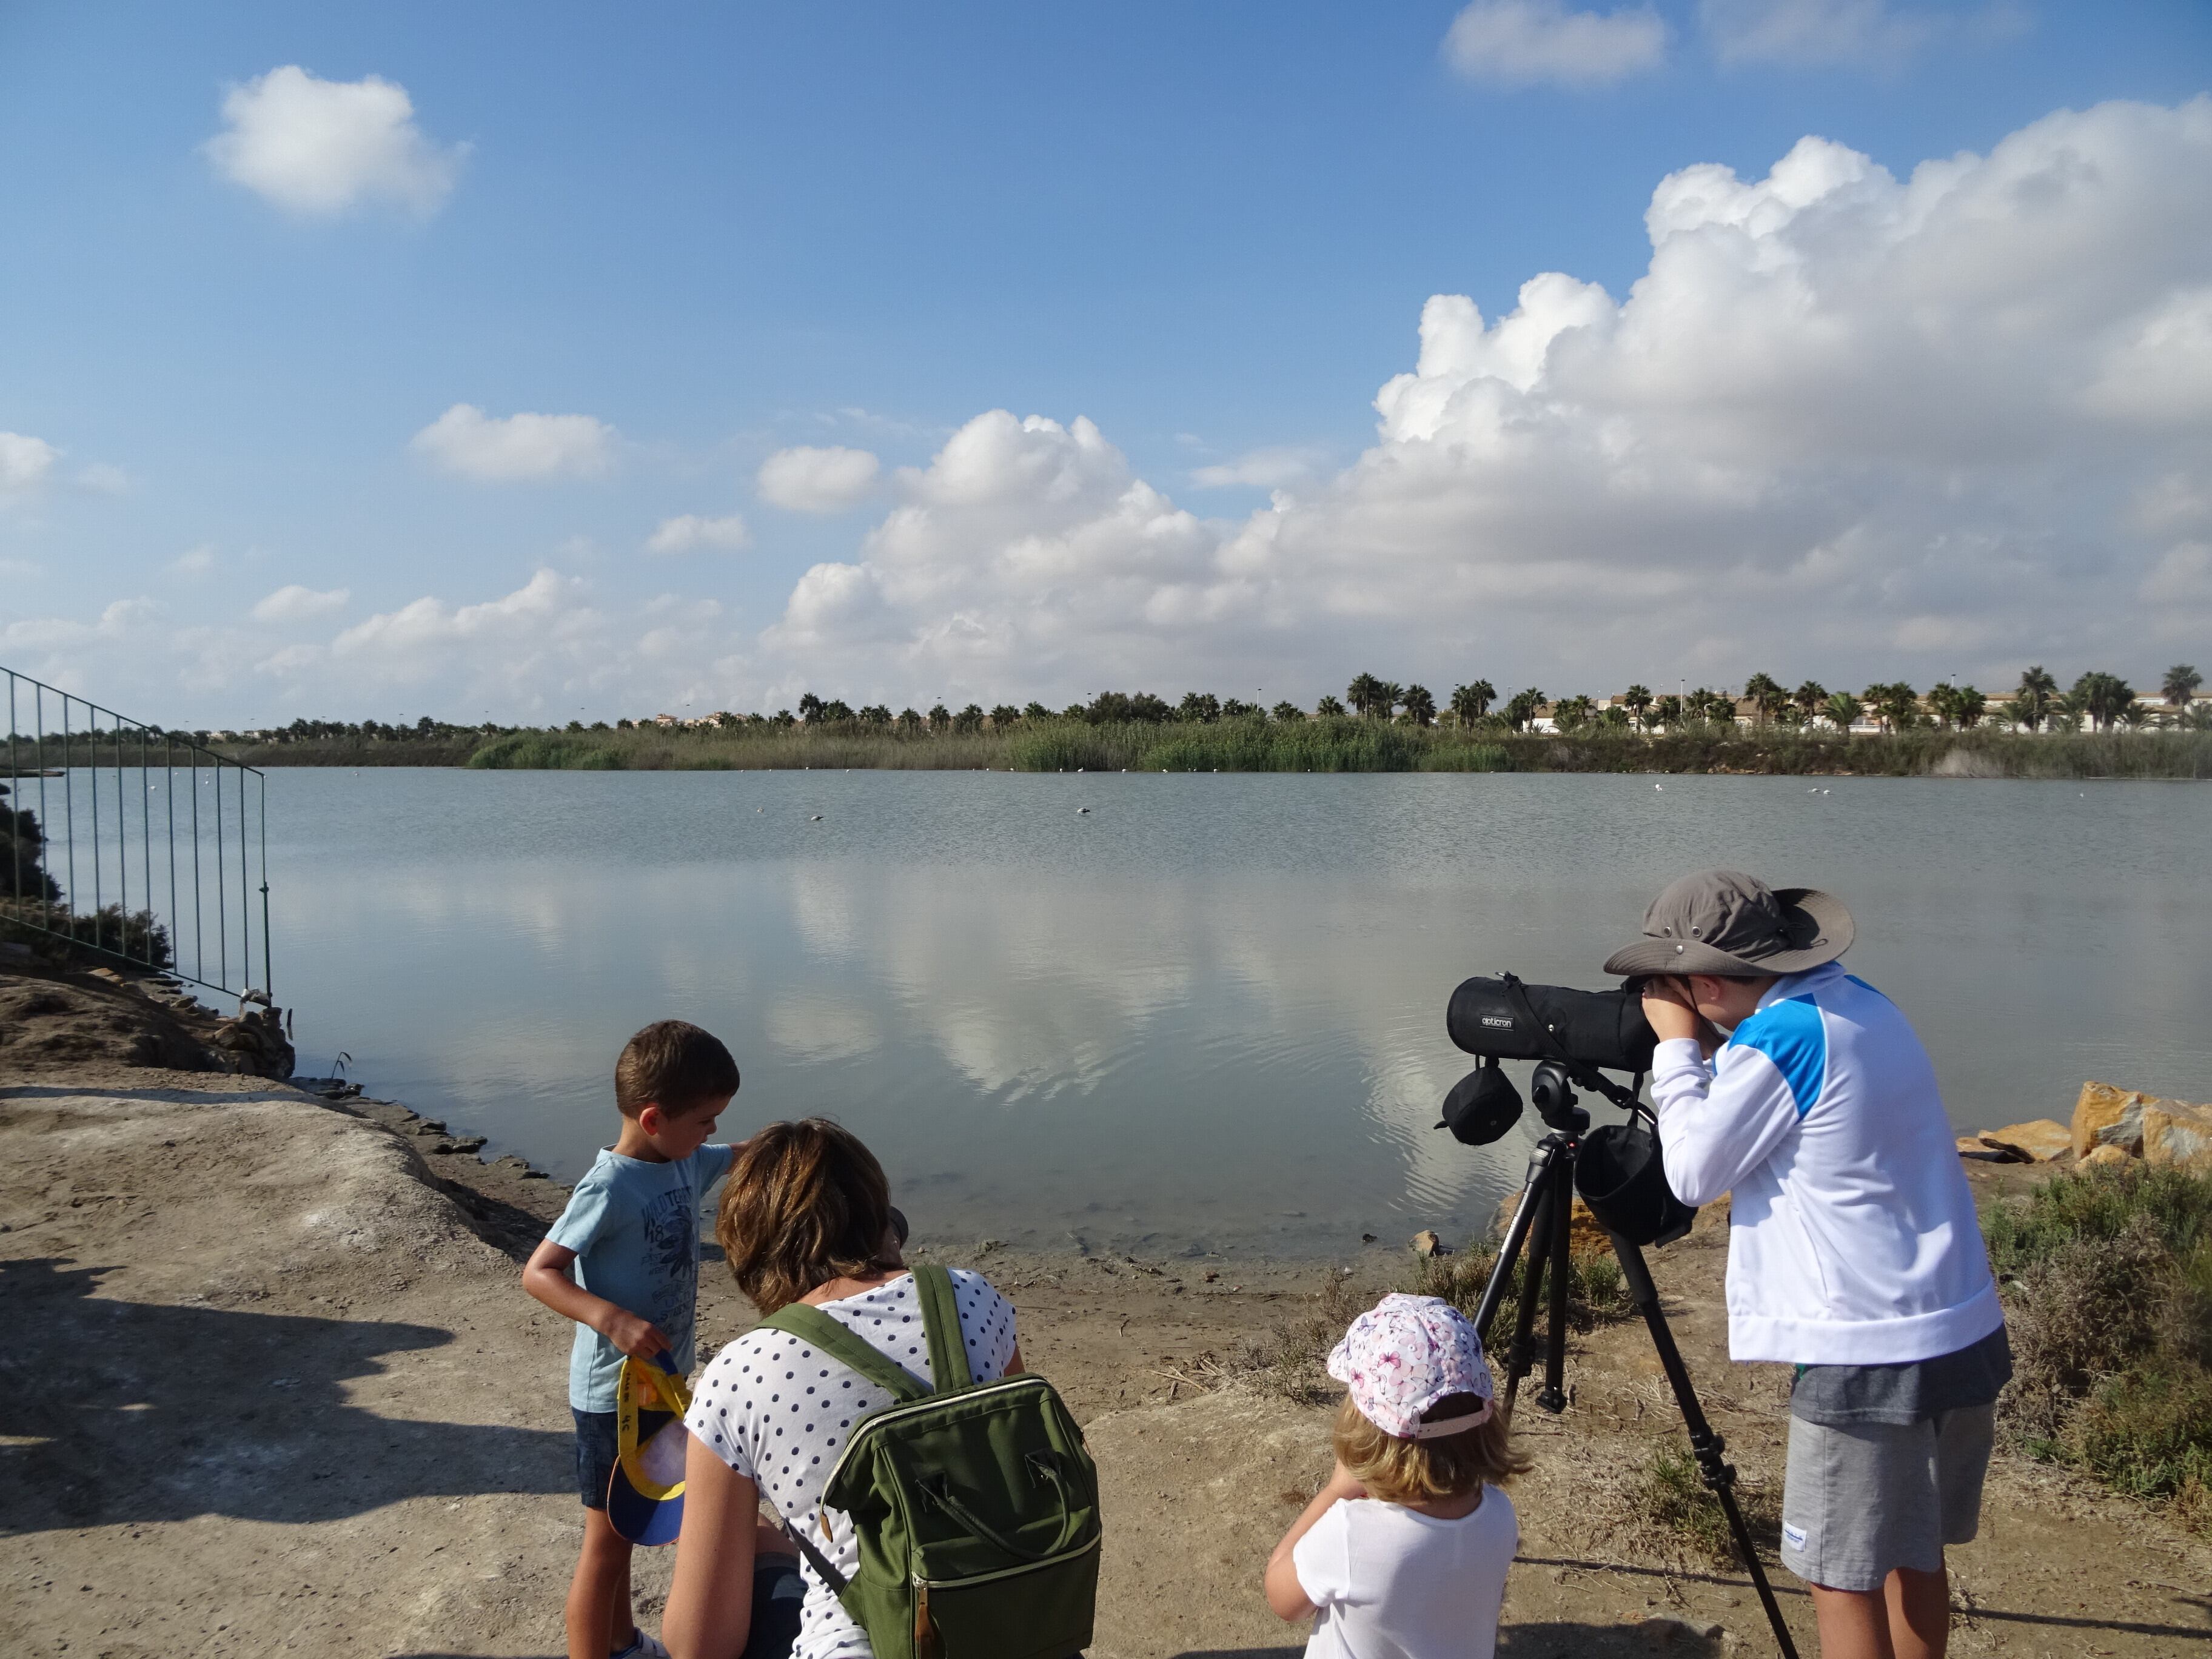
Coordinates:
(1390, 1583)
(778, 1412)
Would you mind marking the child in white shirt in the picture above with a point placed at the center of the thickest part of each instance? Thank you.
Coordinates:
(1404, 1552)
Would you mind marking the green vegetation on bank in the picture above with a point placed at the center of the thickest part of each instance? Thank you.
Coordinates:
(1330, 743)
(2107, 1279)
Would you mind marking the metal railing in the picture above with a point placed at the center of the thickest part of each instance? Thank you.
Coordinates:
(133, 843)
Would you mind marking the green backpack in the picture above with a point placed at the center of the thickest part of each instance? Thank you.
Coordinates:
(976, 1505)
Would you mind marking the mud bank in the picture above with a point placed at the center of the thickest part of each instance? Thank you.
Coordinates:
(272, 1385)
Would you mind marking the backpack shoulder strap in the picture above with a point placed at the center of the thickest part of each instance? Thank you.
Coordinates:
(940, 1317)
(816, 1329)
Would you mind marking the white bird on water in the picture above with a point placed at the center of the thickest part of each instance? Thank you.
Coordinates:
(817, 818)
(1082, 811)
(1658, 786)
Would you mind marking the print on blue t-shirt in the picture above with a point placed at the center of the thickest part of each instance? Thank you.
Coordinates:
(635, 1228)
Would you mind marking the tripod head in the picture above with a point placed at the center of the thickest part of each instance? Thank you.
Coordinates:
(1555, 1102)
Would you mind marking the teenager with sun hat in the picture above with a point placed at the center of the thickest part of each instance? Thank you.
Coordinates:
(1853, 1250)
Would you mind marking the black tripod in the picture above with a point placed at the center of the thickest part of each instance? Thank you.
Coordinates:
(1545, 1210)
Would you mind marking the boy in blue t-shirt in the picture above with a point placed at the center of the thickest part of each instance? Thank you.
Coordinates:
(630, 1235)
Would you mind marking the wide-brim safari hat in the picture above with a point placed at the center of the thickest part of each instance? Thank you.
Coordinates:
(1725, 922)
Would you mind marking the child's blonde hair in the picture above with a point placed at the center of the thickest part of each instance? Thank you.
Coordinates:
(1408, 1471)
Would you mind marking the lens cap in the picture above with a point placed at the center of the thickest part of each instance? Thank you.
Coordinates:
(1481, 1106)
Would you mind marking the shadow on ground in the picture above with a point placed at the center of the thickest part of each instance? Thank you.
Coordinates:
(127, 1412)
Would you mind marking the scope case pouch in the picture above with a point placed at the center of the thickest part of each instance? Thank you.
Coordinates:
(975, 1504)
(1622, 1177)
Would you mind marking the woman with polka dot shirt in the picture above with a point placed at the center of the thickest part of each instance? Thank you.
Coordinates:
(805, 1218)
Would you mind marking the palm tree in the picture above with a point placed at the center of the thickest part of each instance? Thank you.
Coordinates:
(939, 717)
(1471, 702)
(1767, 696)
(1968, 707)
(1942, 701)
(2178, 686)
(1809, 697)
(1388, 694)
(1200, 706)
(1033, 710)
(1329, 709)
(1638, 701)
(1572, 713)
(1419, 705)
(2032, 702)
(1520, 708)
(1364, 693)
(1842, 710)
(1667, 712)
(1004, 715)
(2103, 697)
(1288, 713)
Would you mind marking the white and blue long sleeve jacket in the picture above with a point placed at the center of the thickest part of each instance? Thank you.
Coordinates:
(1852, 1237)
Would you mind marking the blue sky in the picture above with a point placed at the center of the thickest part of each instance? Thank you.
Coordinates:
(713, 233)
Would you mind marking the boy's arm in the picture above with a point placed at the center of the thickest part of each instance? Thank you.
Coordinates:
(1717, 1124)
(545, 1276)
(1286, 1597)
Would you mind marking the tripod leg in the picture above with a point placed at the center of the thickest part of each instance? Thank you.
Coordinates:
(1553, 1398)
(1516, 1235)
(1521, 1356)
(1707, 1446)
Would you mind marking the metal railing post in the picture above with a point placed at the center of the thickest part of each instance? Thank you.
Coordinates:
(61, 912)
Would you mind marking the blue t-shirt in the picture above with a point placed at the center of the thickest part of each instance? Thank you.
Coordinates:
(635, 1228)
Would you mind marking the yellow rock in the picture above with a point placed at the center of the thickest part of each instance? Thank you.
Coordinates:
(2107, 1116)
(2176, 1133)
(2105, 1154)
(2035, 1142)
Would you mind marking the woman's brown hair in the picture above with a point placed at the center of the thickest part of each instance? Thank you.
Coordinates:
(807, 1203)
(1427, 1471)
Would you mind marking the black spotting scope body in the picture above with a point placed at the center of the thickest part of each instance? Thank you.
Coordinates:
(1606, 1029)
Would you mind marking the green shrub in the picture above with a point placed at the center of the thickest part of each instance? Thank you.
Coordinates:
(1597, 1291)
(1669, 1495)
(544, 752)
(2107, 1276)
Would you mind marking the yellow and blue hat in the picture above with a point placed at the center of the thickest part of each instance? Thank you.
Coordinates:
(645, 1494)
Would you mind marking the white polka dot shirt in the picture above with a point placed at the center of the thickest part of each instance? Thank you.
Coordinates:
(780, 1412)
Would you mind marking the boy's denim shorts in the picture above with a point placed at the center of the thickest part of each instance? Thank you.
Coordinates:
(599, 1448)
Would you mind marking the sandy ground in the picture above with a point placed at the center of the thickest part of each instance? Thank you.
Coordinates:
(269, 1384)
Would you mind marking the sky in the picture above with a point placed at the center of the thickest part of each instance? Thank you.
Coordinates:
(542, 363)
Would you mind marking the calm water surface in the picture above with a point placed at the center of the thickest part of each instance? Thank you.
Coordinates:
(1208, 1015)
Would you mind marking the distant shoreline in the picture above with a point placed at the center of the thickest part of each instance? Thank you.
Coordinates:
(1347, 746)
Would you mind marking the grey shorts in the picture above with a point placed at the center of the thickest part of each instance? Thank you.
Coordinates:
(1863, 1500)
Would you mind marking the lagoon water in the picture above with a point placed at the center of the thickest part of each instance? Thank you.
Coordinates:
(1208, 1015)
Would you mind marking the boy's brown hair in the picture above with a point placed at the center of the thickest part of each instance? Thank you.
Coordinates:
(675, 1065)
(805, 1203)
(1427, 1471)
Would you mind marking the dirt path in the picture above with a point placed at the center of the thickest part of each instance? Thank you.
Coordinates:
(269, 1384)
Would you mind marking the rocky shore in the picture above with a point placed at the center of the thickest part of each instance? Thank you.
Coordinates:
(272, 1385)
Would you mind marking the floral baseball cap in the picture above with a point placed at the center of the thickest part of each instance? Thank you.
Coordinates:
(1406, 1353)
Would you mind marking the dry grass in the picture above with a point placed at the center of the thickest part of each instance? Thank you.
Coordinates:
(1667, 1496)
(2107, 1275)
(1288, 1362)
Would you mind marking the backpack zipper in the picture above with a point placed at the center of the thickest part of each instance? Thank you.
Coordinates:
(924, 1585)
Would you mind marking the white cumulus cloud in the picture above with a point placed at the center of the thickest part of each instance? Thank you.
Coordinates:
(1854, 423)
(295, 604)
(471, 444)
(809, 480)
(1803, 33)
(25, 462)
(1528, 42)
(1262, 469)
(688, 531)
(320, 147)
